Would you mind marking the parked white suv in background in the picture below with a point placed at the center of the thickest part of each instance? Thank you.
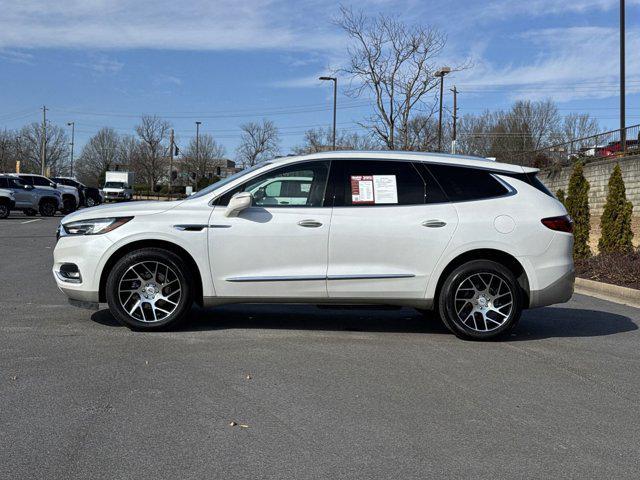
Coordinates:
(475, 240)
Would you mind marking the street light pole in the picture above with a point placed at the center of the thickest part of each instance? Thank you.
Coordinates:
(73, 131)
(43, 143)
(623, 133)
(441, 73)
(197, 150)
(335, 100)
(454, 90)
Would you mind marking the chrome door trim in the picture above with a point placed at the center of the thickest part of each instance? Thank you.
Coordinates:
(293, 278)
(370, 276)
(299, 278)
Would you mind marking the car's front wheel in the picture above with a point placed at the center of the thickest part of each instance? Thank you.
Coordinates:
(90, 202)
(149, 289)
(480, 300)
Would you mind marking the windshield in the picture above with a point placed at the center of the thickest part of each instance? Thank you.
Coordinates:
(224, 181)
(114, 185)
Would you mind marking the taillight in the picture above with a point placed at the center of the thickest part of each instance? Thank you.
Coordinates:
(560, 224)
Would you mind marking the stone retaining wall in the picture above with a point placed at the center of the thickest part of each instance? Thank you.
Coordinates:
(597, 174)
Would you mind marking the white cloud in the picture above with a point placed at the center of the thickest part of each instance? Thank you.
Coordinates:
(101, 64)
(16, 56)
(164, 24)
(570, 63)
(536, 8)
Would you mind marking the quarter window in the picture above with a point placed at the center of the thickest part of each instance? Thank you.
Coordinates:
(297, 185)
(462, 183)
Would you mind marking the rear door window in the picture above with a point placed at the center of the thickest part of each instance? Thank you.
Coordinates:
(370, 183)
(464, 183)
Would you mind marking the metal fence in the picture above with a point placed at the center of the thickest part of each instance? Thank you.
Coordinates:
(615, 143)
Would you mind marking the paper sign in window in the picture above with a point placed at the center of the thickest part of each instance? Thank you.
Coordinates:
(370, 189)
(362, 189)
(385, 189)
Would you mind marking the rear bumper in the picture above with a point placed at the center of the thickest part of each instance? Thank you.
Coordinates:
(559, 291)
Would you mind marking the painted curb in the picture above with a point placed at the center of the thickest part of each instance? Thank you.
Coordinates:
(606, 291)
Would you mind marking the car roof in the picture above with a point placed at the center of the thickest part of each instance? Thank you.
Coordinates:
(427, 157)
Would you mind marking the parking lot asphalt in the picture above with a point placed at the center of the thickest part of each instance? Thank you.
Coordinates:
(315, 393)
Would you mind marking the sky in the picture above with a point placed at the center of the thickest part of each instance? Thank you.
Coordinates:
(224, 62)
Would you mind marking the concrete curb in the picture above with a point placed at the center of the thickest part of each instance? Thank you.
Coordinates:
(606, 291)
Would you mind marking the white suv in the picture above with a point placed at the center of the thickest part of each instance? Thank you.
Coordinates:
(475, 240)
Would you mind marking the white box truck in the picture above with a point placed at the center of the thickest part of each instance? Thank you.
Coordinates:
(118, 186)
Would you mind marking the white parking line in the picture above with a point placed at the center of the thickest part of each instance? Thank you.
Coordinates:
(30, 221)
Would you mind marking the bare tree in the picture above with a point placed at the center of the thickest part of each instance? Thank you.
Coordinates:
(395, 63)
(129, 152)
(320, 140)
(29, 147)
(8, 150)
(579, 125)
(201, 160)
(99, 155)
(151, 165)
(475, 134)
(257, 142)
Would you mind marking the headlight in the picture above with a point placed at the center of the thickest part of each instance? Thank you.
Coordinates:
(94, 226)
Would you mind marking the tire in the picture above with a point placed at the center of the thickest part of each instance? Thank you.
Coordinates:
(4, 209)
(142, 297)
(90, 202)
(68, 205)
(480, 300)
(30, 212)
(47, 208)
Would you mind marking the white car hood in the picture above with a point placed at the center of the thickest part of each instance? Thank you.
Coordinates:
(130, 209)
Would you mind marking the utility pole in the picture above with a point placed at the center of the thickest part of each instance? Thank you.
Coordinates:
(170, 161)
(73, 132)
(335, 101)
(43, 143)
(623, 133)
(441, 73)
(455, 118)
(197, 151)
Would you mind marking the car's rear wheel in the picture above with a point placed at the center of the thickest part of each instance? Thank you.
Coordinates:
(149, 289)
(480, 300)
(90, 202)
(47, 208)
(4, 209)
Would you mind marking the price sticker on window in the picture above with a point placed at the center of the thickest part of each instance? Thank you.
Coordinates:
(362, 189)
(374, 189)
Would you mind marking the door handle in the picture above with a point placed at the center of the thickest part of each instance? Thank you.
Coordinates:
(434, 223)
(309, 223)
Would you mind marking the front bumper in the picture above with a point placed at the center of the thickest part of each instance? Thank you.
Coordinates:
(86, 252)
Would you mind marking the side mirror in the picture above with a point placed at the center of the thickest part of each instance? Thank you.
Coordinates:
(238, 202)
(54, 185)
(28, 187)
